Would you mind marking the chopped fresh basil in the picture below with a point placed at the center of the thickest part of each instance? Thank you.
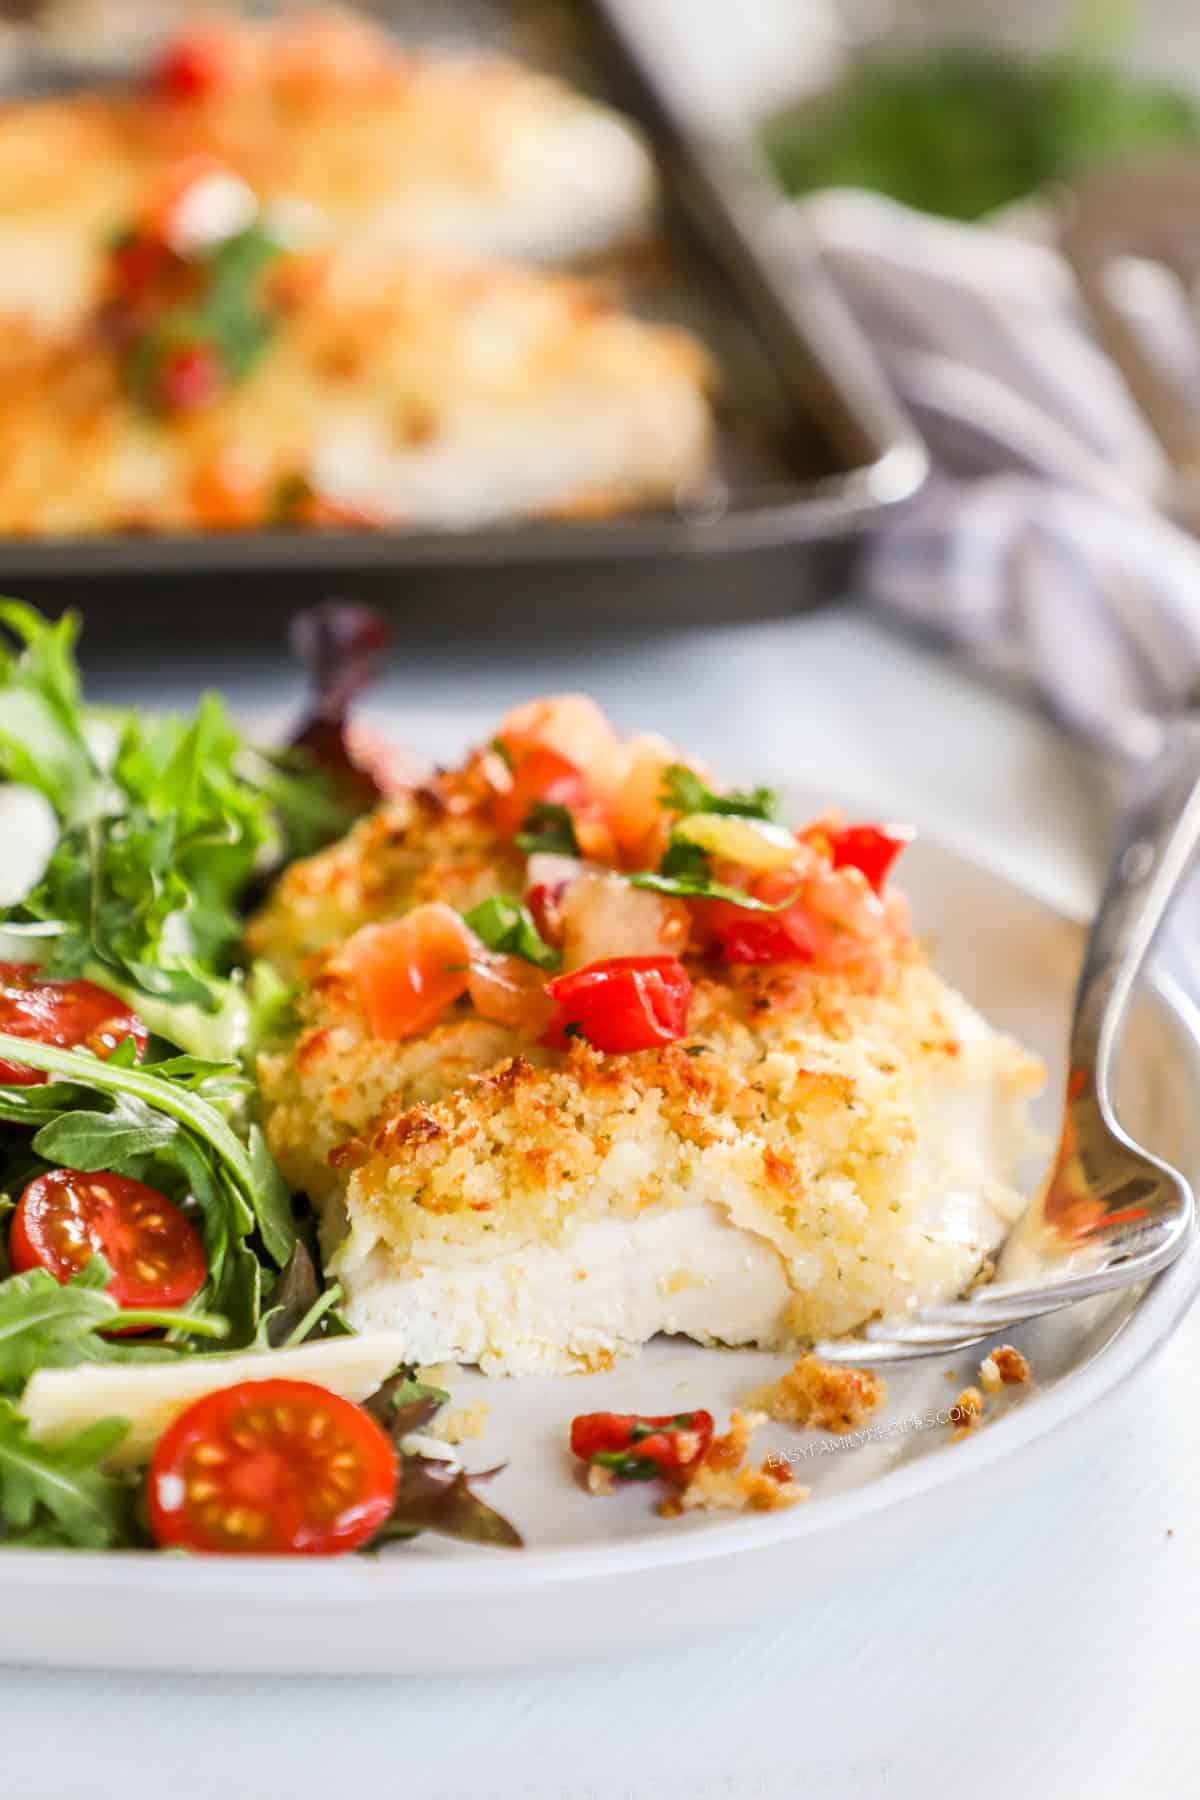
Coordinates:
(503, 752)
(629, 1468)
(701, 887)
(229, 318)
(549, 829)
(684, 792)
(505, 925)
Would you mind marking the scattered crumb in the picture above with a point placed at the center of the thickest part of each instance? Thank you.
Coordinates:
(822, 1396)
(967, 1413)
(1011, 1365)
(990, 1376)
(724, 1482)
(461, 1423)
(1004, 1367)
(599, 1481)
(1170, 1531)
(949, 1374)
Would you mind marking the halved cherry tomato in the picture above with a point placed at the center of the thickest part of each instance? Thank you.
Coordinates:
(623, 1003)
(67, 1014)
(640, 1448)
(540, 777)
(409, 970)
(66, 1216)
(872, 849)
(271, 1468)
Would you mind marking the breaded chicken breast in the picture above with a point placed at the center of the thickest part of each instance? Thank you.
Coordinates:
(390, 152)
(732, 1101)
(426, 395)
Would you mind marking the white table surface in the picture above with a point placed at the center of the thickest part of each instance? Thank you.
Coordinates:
(1044, 1649)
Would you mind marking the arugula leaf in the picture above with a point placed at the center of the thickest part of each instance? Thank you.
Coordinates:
(505, 925)
(60, 1493)
(163, 1130)
(550, 829)
(48, 1324)
(163, 825)
(42, 742)
(684, 792)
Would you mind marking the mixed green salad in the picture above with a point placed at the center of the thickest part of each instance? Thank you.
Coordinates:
(143, 1224)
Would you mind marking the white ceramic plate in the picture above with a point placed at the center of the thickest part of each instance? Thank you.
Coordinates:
(601, 1575)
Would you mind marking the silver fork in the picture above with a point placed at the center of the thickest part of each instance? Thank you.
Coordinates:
(1109, 1214)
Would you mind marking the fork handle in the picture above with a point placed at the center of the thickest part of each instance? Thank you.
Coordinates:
(1157, 842)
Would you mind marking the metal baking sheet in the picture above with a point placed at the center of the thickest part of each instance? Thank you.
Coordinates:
(812, 448)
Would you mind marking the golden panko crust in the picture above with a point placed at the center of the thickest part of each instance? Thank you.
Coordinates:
(794, 1105)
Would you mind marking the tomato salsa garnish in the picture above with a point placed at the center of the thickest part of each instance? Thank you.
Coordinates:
(871, 849)
(65, 1217)
(622, 1003)
(271, 1468)
(638, 1447)
(68, 1014)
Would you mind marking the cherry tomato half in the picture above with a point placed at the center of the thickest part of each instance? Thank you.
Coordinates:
(154, 1252)
(271, 1468)
(872, 849)
(63, 1013)
(622, 1003)
(639, 1448)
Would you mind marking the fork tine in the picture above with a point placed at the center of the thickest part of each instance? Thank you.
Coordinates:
(864, 1353)
(966, 1314)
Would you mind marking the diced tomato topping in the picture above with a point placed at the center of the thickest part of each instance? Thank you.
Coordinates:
(68, 1014)
(621, 1004)
(569, 724)
(194, 65)
(871, 849)
(190, 378)
(640, 1448)
(742, 935)
(271, 1468)
(65, 1216)
(539, 778)
(409, 970)
(136, 266)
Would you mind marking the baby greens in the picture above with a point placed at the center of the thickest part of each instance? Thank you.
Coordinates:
(162, 825)
(165, 1125)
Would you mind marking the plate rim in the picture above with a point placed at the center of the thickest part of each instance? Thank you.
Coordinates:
(311, 1582)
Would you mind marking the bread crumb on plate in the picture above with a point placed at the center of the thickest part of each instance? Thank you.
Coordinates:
(822, 1396)
(724, 1482)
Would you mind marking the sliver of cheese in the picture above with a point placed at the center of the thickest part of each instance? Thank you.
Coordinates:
(59, 1402)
